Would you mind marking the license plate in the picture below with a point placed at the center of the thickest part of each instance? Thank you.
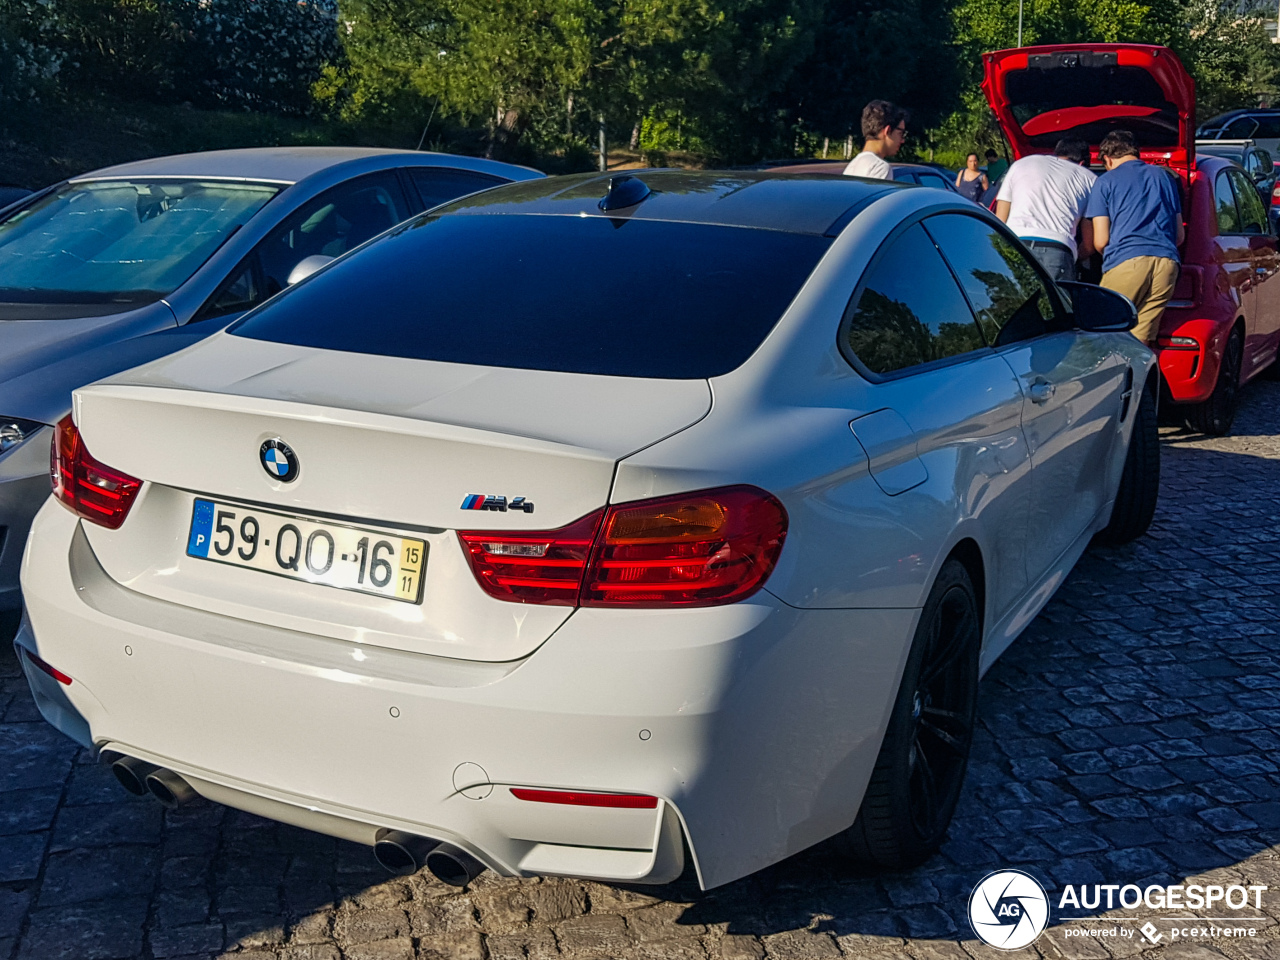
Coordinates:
(317, 551)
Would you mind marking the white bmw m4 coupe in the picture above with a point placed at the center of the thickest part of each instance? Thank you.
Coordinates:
(587, 525)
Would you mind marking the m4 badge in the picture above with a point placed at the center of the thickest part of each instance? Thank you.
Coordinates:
(481, 501)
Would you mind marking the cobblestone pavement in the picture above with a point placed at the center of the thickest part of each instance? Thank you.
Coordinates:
(1129, 737)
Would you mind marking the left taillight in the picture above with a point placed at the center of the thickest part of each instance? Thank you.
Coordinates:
(88, 487)
(702, 549)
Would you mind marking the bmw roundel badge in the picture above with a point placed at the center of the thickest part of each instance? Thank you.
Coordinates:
(280, 462)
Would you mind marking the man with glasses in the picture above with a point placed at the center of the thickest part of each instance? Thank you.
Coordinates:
(885, 128)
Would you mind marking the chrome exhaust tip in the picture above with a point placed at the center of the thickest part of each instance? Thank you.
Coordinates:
(403, 853)
(169, 788)
(133, 774)
(453, 866)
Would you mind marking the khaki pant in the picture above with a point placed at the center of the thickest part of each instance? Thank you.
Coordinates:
(1149, 283)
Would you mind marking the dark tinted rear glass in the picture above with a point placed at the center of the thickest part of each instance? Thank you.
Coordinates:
(630, 298)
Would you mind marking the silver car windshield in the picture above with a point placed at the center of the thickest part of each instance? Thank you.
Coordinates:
(126, 242)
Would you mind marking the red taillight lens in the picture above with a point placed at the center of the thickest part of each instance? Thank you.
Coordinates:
(542, 567)
(1275, 194)
(696, 549)
(622, 801)
(87, 487)
(43, 667)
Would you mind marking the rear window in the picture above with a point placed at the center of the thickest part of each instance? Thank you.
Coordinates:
(611, 296)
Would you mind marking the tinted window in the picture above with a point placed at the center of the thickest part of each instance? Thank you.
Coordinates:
(336, 221)
(1268, 127)
(1240, 128)
(120, 241)
(437, 185)
(632, 298)
(932, 180)
(1008, 296)
(1225, 203)
(1253, 216)
(910, 310)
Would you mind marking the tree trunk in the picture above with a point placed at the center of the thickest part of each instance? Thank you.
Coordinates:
(568, 116)
(635, 136)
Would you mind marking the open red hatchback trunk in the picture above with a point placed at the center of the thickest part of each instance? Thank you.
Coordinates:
(1086, 90)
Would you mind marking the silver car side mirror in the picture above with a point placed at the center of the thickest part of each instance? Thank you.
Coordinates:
(306, 267)
(1098, 309)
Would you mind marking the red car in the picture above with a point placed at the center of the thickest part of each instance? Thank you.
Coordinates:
(1222, 327)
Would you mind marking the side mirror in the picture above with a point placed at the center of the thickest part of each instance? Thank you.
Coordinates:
(306, 267)
(1098, 309)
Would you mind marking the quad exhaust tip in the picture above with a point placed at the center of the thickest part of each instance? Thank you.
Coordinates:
(405, 853)
(141, 779)
(133, 774)
(170, 789)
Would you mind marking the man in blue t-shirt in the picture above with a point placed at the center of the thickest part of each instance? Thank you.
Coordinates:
(1137, 224)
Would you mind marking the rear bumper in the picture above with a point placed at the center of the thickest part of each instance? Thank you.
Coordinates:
(756, 725)
(1191, 372)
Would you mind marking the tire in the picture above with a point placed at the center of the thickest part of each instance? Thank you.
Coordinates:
(1140, 483)
(1214, 416)
(917, 778)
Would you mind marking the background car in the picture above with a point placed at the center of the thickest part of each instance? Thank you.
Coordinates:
(1222, 327)
(924, 174)
(11, 193)
(131, 262)
(464, 498)
(1261, 125)
(1256, 162)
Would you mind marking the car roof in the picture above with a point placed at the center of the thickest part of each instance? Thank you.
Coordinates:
(774, 200)
(278, 164)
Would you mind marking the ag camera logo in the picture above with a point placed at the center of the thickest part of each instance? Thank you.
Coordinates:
(1008, 909)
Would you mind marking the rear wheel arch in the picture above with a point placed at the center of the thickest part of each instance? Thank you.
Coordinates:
(969, 554)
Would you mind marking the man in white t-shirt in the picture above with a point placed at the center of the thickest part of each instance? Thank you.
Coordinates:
(1042, 199)
(884, 126)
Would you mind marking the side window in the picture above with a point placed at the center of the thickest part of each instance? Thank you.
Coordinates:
(331, 224)
(437, 185)
(1253, 216)
(932, 180)
(910, 310)
(1241, 128)
(1225, 203)
(338, 220)
(1009, 298)
(1268, 127)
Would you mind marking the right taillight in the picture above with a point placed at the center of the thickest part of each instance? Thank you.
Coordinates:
(88, 487)
(697, 549)
(1275, 194)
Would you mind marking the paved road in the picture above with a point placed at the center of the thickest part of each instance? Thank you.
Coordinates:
(1129, 737)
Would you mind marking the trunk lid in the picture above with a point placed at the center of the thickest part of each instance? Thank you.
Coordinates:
(1085, 90)
(382, 443)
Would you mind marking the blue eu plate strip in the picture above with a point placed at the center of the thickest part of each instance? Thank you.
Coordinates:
(201, 529)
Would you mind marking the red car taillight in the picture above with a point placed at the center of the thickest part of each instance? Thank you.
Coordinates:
(541, 567)
(696, 549)
(1275, 194)
(85, 486)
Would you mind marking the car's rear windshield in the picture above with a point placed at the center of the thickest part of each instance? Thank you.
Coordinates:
(126, 242)
(617, 297)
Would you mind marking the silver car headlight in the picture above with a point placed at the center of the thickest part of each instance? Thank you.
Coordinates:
(14, 430)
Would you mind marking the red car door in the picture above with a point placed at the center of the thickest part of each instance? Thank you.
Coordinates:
(1234, 255)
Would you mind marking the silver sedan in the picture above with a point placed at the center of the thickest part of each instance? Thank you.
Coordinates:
(132, 262)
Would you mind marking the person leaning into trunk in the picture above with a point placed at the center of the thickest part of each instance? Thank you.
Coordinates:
(1042, 199)
(1137, 225)
(885, 128)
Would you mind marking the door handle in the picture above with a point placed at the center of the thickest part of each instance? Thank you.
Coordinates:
(1041, 391)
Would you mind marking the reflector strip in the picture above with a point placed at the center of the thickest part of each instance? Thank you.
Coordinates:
(43, 667)
(629, 801)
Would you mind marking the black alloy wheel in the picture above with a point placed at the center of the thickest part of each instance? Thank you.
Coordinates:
(1215, 415)
(916, 783)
